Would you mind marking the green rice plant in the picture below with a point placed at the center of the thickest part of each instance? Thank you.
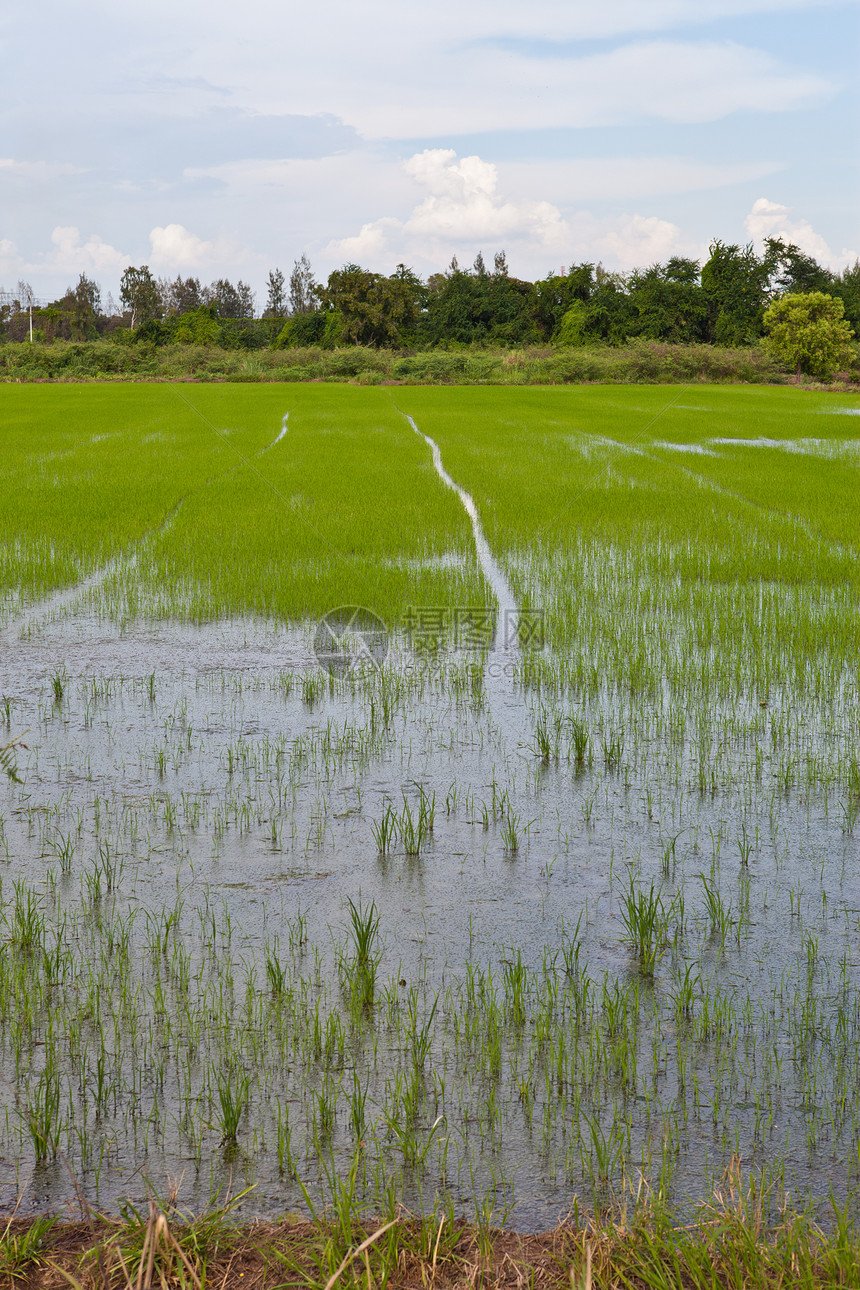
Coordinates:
(613, 748)
(420, 1035)
(364, 932)
(27, 927)
(42, 1115)
(606, 1154)
(515, 977)
(324, 1111)
(646, 924)
(58, 684)
(385, 830)
(547, 739)
(510, 831)
(580, 742)
(234, 1089)
(297, 930)
(718, 911)
(277, 974)
(413, 829)
(360, 969)
(63, 847)
(426, 809)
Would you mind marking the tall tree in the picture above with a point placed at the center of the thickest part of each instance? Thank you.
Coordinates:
(794, 270)
(230, 301)
(247, 299)
(302, 287)
(181, 296)
(847, 287)
(736, 284)
(139, 294)
(276, 295)
(86, 307)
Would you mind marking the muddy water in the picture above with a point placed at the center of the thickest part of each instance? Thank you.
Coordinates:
(218, 763)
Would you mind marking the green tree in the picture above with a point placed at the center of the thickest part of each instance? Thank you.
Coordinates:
(669, 301)
(303, 288)
(372, 309)
(847, 287)
(198, 327)
(182, 296)
(139, 293)
(572, 328)
(610, 314)
(276, 295)
(551, 297)
(479, 306)
(736, 284)
(808, 331)
(793, 271)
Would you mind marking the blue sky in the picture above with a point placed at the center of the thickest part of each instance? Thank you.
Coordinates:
(216, 138)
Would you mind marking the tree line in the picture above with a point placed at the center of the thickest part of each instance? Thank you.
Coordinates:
(721, 302)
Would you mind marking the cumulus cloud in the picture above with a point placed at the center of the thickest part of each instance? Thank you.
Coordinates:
(771, 219)
(464, 211)
(462, 207)
(72, 256)
(174, 247)
(629, 241)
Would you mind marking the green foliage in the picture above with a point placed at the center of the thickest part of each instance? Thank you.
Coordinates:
(670, 303)
(139, 293)
(572, 328)
(302, 330)
(468, 307)
(198, 327)
(735, 284)
(808, 331)
(551, 297)
(371, 309)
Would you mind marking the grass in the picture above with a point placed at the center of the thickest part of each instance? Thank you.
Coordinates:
(638, 362)
(730, 1244)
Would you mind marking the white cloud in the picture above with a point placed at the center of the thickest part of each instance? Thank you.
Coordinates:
(464, 212)
(72, 256)
(174, 247)
(44, 170)
(10, 260)
(462, 207)
(771, 219)
(631, 241)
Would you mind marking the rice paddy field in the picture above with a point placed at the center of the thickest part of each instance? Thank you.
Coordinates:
(532, 886)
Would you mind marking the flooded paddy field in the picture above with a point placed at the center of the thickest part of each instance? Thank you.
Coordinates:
(535, 883)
